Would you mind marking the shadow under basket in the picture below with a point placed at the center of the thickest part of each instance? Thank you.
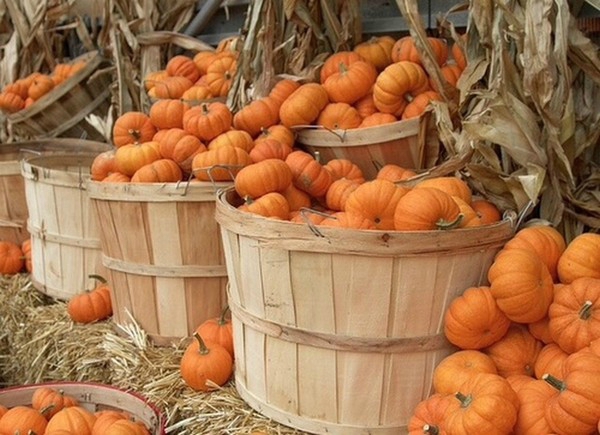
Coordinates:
(62, 112)
(93, 397)
(339, 333)
(411, 144)
(13, 204)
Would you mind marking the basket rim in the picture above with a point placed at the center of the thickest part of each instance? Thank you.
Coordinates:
(160, 416)
(294, 236)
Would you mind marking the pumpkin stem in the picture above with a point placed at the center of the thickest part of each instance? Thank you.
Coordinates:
(204, 107)
(98, 278)
(465, 401)
(222, 319)
(136, 134)
(47, 409)
(431, 430)
(586, 310)
(343, 68)
(202, 346)
(554, 382)
(445, 225)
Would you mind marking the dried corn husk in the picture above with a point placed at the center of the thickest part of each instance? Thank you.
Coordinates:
(527, 122)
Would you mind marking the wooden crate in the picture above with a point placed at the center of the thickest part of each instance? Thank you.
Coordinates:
(94, 397)
(340, 333)
(65, 247)
(162, 250)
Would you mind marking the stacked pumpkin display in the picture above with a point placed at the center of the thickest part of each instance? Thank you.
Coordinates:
(22, 93)
(205, 76)
(52, 412)
(530, 344)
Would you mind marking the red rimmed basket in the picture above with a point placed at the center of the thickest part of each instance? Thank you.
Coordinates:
(94, 397)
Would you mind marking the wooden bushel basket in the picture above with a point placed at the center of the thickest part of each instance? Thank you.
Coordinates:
(162, 250)
(94, 397)
(65, 247)
(411, 144)
(62, 111)
(13, 205)
(340, 333)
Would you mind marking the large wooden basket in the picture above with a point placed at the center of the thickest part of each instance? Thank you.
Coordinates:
(13, 205)
(94, 397)
(62, 112)
(162, 250)
(411, 144)
(65, 246)
(340, 333)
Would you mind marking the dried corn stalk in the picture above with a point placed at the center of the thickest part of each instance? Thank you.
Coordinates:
(294, 36)
(529, 110)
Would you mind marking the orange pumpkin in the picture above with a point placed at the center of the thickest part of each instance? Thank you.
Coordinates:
(405, 49)
(531, 419)
(344, 168)
(580, 258)
(235, 138)
(197, 93)
(256, 116)
(40, 86)
(11, 102)
(269, 149)
(22, 420)
(130, 158)
(393, 173)
(220, 164)
(207, 121)
(204, 363)
(91, 306)
(180, 147)
(487, 211)
(170, 87)
(308, 175)
(159, 171)
(456, 368)
(516, 352)
(344, 219)
(332, 63)
(377, 50)
(338, 193)
(485, 404)
(218, 330)
(203, 59)
(377, 119)
(270, 205)
(11, 258)
(181, 65)
(339, 116)
(283, 89)
(77, 419)
(426, 209)
(451, 73)
(168, 113)
(219, 75)
(132, 127)
(296, 198)
(396, 84)
(279, 132)
(376, 200)
(574, 315)
(26, 248)
(453, 186)
(473, 320)
(102, 165)
(49, 401)
(351, 82)
(366, 105)
(154, 77)
(303, 106)
(258, 179)
(428, 416)
(550, 360)
(521, 285)
(419, 104)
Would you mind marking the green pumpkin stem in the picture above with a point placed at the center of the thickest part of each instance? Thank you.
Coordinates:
(445, 225)
(586, 310)
(431, 430)
(465, 401)
(47, 409)
(222, 319)
(98, 278)
(203, 350)
(554, 382)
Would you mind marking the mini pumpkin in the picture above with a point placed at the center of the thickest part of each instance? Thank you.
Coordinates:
(351, 82)
(91, 306)
(204, 364)
(75, 419)
(102, 165)
(49, 401)
(338, 116)
(303, 106)
(428, 416)
(11, 258)
(580, 258)
(208, 120)
(220, 164)
(218, 330)
(456, 368)
(396, 84)
(132, 127)
(308, 175)
(168, 113)
(376, 200)
(130, 158)
(258, 179)
(258, 115)
(22, 420)
(516, 352)
(426, 209)
(270, 205)
(159, 171)
(377, 50)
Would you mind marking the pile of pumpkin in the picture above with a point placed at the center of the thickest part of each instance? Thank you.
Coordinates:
(380, 81)
(206, 75)
(529, 362)
(52, 412)
(23, 92)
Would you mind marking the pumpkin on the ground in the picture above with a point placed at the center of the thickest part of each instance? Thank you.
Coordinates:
(91, 306)
(205, 364)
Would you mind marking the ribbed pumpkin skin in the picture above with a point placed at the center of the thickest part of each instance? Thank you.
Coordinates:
(22, 419)
(168, 113)
(308, 175)
(303, 106)
(271, 205)
(426, 209)
(271, 175)
(516, 352)
(474, 321)
(203, 361)
(377, 50)
(339, 116)
(11, 258)
(132, 127)
(580, 258)
(220, 164)
(207, 121)
(258, 115)
(395, 83)
(453, 370)
(333, 62)
(551, 359)
(91, 306)
(453, 186)
(130, 158)
(531, 419)
(521, 284)
(351, 82)
(44, 396)
(405, 49)
(430, 411)
(74, 418)
(575, 314)
(377, 201)
(159, 171)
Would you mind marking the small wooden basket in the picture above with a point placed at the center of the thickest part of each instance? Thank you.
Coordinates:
(94, 397)
(411, 144)
(62, 112)
(13, 205)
